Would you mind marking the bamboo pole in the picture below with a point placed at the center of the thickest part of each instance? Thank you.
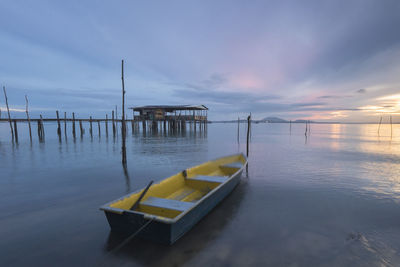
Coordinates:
(290, 126)
(391, 127)
(27, 116)
(8, 111)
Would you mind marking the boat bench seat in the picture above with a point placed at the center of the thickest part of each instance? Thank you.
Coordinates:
(206, 178)
(236, 165)
(165, 203)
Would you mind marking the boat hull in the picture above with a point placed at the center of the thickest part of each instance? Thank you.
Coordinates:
(169, 232)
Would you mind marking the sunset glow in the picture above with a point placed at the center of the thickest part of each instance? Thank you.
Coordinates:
(275, 59)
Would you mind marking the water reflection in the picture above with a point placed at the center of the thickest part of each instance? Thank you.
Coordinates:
(127, 178)
(293, 210)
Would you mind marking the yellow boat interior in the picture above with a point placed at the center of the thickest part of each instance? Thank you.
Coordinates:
(178, 193)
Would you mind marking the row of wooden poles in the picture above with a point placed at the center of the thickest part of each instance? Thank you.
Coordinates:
(174, 126)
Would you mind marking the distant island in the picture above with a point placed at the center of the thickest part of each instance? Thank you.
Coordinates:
(268, 120)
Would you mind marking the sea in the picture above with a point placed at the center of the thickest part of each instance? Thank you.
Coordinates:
(328, 196)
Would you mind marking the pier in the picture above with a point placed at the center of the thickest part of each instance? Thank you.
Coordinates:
(149, 119)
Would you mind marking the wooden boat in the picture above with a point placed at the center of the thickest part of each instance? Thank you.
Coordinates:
(177, 203)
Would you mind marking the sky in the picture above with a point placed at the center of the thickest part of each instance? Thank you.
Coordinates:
(317, 60)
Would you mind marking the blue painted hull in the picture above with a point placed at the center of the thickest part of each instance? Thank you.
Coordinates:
(167, 232)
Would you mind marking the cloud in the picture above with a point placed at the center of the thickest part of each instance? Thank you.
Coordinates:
(361, 91)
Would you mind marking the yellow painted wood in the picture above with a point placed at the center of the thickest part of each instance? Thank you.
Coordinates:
(178, 188)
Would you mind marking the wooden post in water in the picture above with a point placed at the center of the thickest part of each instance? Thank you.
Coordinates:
(73, 125)
(58, 124)
(38, 130)
(116, 119)
(391, 127)
(81, 128)
(8, 111)
(16, 131)
(113, 123)
(91, 129)
(379, 127)
(41, 128)
(98, 126)
(305, 133)
(27, 116)
(290, 127)
(65, 124)
(123, 115)
(248, 135)
(238, 130)
(106, 122)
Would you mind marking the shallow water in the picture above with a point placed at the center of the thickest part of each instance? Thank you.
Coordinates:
(331, 199)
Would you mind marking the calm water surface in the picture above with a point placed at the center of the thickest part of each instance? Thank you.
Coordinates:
(332, 199)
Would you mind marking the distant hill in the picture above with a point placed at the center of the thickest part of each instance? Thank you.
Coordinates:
(273, 120)
(265, 120)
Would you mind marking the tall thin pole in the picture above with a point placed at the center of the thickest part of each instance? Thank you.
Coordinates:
(8, 111)
(391, 127)
(58, 126)
(116, 118)
(73, 124)
(248, 134)
(123, 115)
(238, 130)
(379, 127)
(123, 99)
(27, 116)
(106, 125)
(65, 124)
